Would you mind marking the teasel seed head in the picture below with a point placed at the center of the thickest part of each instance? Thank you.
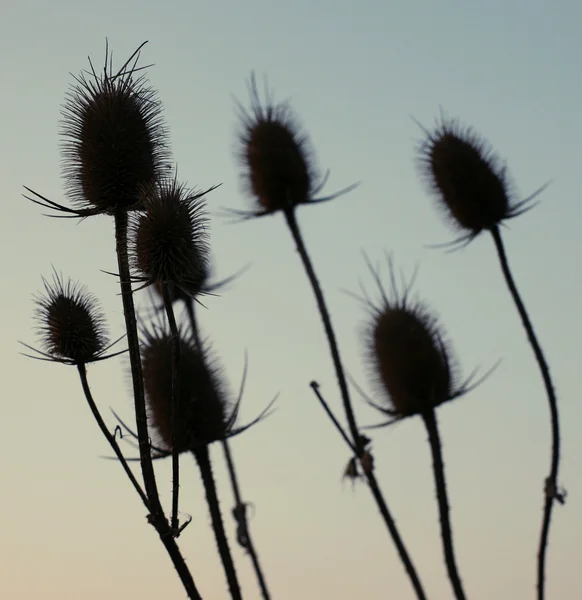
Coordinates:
(171, 240)
(469, 180)
(205, 415)
(278, 162)
(410, 360)
(70, 323)
(115, 142)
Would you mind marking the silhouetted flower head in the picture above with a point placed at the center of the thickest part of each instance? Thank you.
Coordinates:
(171, 241)
(115, 142)
(410, 361)
(469, 180)
(70, 323)
(278, 162)
(205, 414)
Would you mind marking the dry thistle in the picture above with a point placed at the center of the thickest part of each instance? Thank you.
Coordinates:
(171, 241)
(279, 167)
(410, 360)
(205, 415)
(469, 180)
(70, 324)
(114, 140)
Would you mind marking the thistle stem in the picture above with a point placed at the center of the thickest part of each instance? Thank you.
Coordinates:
(202, 457)
(354, 432)
(551, 486)
(239, 511)
(110, 438)
(175, 406)
(430, 421)
(156, 516)
(240, 514)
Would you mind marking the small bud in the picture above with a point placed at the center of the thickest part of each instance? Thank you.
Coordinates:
(71, 326)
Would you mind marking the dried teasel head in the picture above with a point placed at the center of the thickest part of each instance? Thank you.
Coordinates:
(469, 180)
(115, 141)
(205, 414)
(278, 162)
(70, 324)
(171, 241)
(409, 359)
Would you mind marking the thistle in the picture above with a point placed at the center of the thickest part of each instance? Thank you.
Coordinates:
(469, 180)
(171, 240)
(280, 174)
(279, 169)
(414, 368)
(474, 187)
(70, 323)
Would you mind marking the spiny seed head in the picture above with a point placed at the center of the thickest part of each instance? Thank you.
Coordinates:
(70, 324)
(277, 159)
(171, 243)
(410, 361)
(469, 180)
(114, 139)
(203, 415)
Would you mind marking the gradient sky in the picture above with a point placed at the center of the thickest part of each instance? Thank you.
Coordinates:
(355, 73)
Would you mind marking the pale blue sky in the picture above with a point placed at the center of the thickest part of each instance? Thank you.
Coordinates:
(71, 525)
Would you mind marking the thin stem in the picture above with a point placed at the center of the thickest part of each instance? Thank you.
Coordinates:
(243, 532)
(315, 387)
(110, 438)
(356, 437)
(430, 422)
(156, 516)
(203, 459)
(240, 514)
(175, 405)
(551, 487)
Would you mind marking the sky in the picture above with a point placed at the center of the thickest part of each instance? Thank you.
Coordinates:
(356, 74)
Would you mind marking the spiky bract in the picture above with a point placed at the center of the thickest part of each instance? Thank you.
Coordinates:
(469, 180)
(70, 323)
(278, 163)
(115, 141)
(205, 415)
(410, 361)
(171, 242)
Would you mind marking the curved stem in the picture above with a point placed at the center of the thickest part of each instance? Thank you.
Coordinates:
(430, 421)
(156, 516)
(240, 514)
(110, 438)
(551, 488)
(203, 459)
(175, 406)
(354, 432)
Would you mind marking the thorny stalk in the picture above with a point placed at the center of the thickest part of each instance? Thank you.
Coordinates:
(174, 407)
(430, 421)
(156, 516)
(551, 484)
(202, 457)
(244, 537)
(357, 438)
